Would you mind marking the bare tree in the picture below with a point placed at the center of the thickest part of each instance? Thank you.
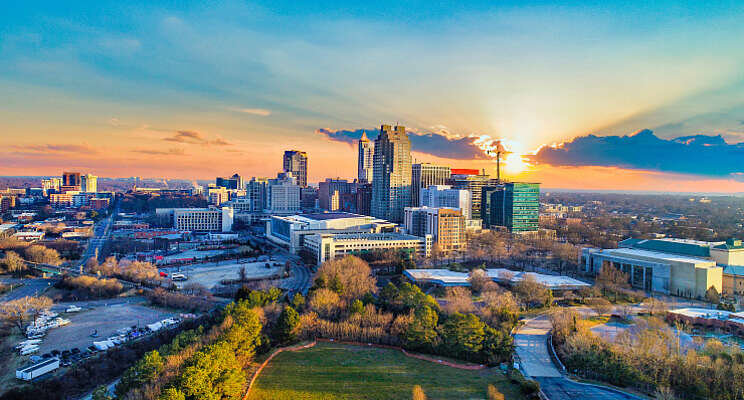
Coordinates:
(13, 263)
(600, 306)
(458, 300)
(16, 311)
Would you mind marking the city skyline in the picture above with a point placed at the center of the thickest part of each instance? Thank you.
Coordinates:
(572, 92)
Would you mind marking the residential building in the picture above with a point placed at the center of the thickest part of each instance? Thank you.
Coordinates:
(71, 179)
(323, 247)
(295, 161)
(365, 159)
(424, 175)
(89, 183)
(391, 176)
(199, 219)
(6, 203)
(283, 195)
(51, 185)
(446, 196)
(473, 182)
(445, 225)
(291, 230)
(514, 206)
(257, 193)
(218, 195)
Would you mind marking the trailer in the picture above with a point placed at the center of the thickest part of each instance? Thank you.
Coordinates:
(29, 349)
(38, 369)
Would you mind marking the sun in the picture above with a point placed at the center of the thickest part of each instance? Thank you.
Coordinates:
(514, 163)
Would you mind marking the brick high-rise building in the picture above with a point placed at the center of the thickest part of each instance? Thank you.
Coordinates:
(71, 179)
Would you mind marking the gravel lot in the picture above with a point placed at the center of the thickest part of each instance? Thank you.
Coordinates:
(107, 320)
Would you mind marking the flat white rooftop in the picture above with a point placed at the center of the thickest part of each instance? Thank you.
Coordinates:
(708, 313)
(657, 255)
(446, 277)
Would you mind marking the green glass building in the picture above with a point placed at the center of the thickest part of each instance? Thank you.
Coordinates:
(514, 205)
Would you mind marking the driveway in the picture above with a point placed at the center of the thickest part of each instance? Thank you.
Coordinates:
(531, 346)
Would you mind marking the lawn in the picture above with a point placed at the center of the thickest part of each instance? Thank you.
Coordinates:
(331, 371)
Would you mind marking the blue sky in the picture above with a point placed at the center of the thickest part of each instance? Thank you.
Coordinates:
(122, 78)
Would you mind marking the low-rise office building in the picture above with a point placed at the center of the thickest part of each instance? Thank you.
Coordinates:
(328, 246)
(199, 219)
(657, 271)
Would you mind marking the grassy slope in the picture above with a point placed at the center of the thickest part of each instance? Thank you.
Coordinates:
(332, 371)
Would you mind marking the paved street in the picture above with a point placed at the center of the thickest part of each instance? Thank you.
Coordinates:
(100, 235)
(531, 346)
(30, 287)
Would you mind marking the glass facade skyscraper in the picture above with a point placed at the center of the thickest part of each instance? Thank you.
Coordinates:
(514, 205)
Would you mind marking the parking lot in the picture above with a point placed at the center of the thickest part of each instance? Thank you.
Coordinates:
(106, 319)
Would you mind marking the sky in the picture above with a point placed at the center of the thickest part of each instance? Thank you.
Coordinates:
(604, 95)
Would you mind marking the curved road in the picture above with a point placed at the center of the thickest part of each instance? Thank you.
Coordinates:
(532, 349)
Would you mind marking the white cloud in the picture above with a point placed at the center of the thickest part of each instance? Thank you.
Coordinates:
(253, 111)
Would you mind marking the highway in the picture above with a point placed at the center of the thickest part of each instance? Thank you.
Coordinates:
(532, 349)
(30, 287)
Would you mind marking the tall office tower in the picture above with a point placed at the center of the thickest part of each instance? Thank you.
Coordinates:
(71, 179)
(295, 161)
(445, 196)
(366, 159)
(516, 206)
(473, 182)
(257, 193)
(424, 175)
(89, 183)
(391, 175)
(486, 207)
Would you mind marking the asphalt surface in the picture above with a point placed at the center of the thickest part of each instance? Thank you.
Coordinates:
(532, 349)
(100, 236)
(30, 287)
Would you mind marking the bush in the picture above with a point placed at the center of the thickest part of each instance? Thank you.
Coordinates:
(91, 287)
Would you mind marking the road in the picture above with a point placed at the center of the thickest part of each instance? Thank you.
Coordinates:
(30, 287)
(532, 349)
(100, 235)
(300, 278)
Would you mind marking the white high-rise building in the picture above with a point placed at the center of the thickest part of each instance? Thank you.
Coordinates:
(365, 159)
(200, 219)
(444, 196)
(424, 175)
(283, 195)
(391, 176)
(89, 183)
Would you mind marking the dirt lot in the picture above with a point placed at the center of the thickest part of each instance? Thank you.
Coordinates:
(211, 274)
(106, 319)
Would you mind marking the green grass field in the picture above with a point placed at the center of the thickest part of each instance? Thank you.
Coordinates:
(331, 371)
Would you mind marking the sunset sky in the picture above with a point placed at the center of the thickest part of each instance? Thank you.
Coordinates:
(587, 95)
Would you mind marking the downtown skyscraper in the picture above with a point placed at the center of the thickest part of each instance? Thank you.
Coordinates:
(295, 161)
(391, 175)
(365, 160)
